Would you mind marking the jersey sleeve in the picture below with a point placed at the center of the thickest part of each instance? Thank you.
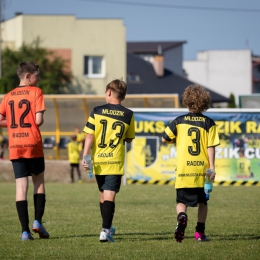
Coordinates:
(131, 130)
(90, 126)
(40, 105)
(3, 107)
(213, 139)
(170, 131)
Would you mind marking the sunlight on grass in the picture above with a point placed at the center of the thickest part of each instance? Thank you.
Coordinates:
(145, 220)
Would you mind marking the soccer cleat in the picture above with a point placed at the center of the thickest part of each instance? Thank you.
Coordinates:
(27, 236)
(201, 237)
(106, 236)
(179, 231)
(39, 228)
(112, 231)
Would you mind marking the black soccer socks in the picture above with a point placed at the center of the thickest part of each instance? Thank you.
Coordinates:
(22, 210)
(39, 206)
(108, 210)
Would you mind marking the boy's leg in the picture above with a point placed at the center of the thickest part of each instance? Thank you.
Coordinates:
(39, 204)
(78, 171)
(202, 216)
(72, 173)
(181, 222)
(108, 185)
(101, 203)
(22, 185)
(184, 198)
(21, 202)
(101, 207)
(202, 212)
(38, 183)
(180, 207)
(39, 196)
(200, 228)
(108, 208)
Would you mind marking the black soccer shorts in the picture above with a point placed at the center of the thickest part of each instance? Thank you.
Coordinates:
(24, 167)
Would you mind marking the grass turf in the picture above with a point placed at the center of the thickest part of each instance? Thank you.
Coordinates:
(145, 220)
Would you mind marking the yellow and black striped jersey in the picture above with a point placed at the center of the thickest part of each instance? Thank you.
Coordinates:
(194, 133)
(111, 125)
(74, 149)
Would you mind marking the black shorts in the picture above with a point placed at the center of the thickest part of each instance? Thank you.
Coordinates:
(76, 165)
(109, 182)
(191, 196)
(24, 167)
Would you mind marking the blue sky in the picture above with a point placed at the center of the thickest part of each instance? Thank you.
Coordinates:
(232, 24)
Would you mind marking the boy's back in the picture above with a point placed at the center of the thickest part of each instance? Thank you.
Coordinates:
(111, 124)
(74, 149)
(193, 133)
(108, 128)
(196, 137)
(20, 106)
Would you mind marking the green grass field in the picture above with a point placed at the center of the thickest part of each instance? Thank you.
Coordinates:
(145, 220)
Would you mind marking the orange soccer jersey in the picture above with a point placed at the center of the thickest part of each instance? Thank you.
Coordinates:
(20, 106)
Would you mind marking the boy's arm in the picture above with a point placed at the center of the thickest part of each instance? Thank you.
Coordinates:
(211, 154)
(88, 143)
(3, 121)
(128, 140)
(39, 118)
(131, 131)
(173, 141)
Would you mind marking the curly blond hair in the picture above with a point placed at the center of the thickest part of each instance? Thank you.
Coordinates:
(196, 98)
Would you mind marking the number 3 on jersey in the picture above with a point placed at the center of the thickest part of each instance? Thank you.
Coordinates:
(196, 141)
(119, 129)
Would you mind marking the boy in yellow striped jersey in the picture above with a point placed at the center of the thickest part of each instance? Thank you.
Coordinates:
(196, 137)
(109, 127)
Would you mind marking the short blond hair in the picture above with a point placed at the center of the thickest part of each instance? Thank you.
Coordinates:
(119, 87)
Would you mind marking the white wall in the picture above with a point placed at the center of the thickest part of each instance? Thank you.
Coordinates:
(225, 72)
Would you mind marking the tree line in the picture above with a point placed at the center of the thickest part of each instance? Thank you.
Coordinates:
(56, 78)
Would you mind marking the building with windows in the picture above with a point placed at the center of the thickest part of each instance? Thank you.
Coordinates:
(226, 71)
(156, 68)
(172, 52)
(94, 48)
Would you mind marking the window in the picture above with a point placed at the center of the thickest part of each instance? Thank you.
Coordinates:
(133, 78)
(94, 66)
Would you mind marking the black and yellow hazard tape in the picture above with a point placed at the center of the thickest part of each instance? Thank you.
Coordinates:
(216, 183)
(158, 182)
(237, 183)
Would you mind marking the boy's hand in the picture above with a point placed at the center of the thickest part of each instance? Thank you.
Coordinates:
(212, 177)
(173, 141)
(85, 166)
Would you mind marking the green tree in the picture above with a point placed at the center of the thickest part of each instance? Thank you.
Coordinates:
(79, 87)
(232, 103)
(54, 73)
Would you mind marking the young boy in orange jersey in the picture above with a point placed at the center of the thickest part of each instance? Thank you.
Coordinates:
(21, 111)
